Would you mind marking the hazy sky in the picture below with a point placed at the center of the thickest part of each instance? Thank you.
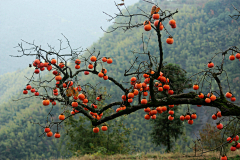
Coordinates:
(45, 20)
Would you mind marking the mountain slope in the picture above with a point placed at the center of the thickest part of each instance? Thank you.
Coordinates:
(199, 33)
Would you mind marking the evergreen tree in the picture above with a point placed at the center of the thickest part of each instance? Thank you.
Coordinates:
(164, 131)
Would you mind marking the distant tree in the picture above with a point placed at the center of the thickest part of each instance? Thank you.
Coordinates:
(164, 131)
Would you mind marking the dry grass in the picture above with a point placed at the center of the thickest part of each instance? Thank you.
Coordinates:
(155, 156)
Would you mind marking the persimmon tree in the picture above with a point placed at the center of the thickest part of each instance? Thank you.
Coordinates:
(147, 78)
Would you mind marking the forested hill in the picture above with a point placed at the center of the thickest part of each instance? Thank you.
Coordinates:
(201, 31)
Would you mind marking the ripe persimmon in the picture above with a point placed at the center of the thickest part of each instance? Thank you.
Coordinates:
(144, 101)
(58, 78)
(90, 66)
(155, 16)
(229, 139)
(130, 100)
(233, 99)
(166, 86)
(174, 26)
(153, 116)
(77, 61)
(182, 118)
(147, 27)
(47, 129)
(61, 65)
(213, 98)
(104, 128)
(130, 95)
(105, 77)
(164, 108)
(93, 59)
(49, 134)
(231, 57)
(36, 61)
(224, 157)
(85, 100)
(57, 135)
(86, 72)
(170, 92)
(49, 67)
(72, 113)
(46, 102)
(77, 66)
(187, 117)
(145, 93)
(81, 96)
(171, 112)
(147, 117)
(238, 55)
(172, 22)
(190, 121)
(170, 40)
(214, 117)
(36, 71)
(104, 59)
(170, 117)
(61, 117)
(208, 100)
(100, 74)
(195, 87)
(135, 92)
(36, 93)
(96, 130)
(193, 116)
(74, 104)
(147, 109)
(109, 60)
(53, 61)
(228, 94)
(33, 90)
(138, 85)
(210, 64)
(146, 23)
(201, 95)
(219, 114)
(28, 87)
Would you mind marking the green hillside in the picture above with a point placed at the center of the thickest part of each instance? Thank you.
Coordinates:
(198, 35)
(201, 31)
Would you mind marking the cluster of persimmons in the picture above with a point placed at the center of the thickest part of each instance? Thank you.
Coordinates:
(156, 16)
(70, 90)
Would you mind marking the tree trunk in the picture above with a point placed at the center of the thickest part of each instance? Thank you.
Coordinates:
(168, 139)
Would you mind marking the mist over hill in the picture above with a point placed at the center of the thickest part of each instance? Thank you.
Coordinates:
(44, 21)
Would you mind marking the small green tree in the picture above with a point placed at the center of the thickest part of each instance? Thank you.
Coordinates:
(164, 131)
(80, 138)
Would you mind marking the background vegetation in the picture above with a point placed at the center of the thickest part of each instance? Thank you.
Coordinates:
(203, 28)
